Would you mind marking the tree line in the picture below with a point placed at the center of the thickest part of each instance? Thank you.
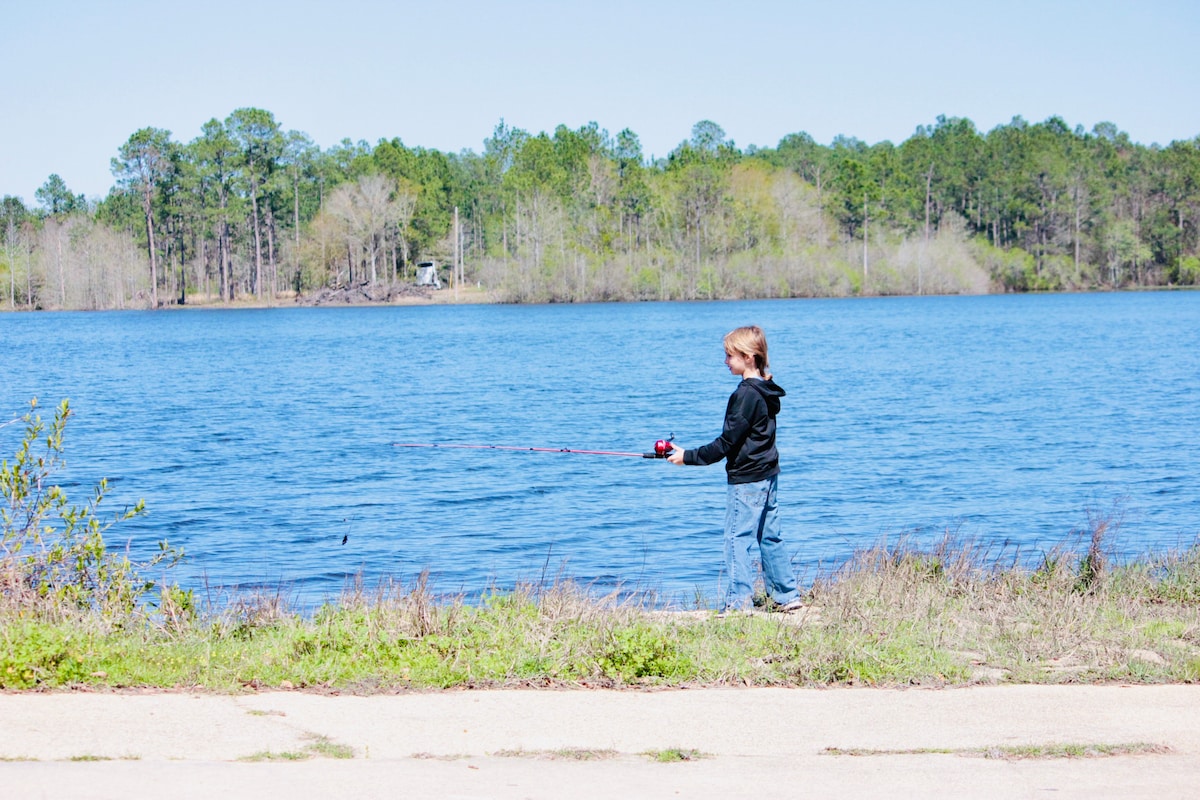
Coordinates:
(247, 210)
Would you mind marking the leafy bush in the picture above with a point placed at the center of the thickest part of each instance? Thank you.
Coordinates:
(1184, 271)
(637, 651)
(34, 654)
(53, 557)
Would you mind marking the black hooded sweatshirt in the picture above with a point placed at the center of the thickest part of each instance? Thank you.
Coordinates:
(747, 440)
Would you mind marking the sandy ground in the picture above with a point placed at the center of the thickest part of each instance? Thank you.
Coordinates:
(512, 744)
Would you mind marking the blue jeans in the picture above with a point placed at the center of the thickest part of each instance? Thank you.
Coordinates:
(752, 517)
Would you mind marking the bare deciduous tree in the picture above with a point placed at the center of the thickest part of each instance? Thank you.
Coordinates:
(366, 209)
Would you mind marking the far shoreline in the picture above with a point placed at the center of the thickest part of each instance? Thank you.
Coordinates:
(478, 296)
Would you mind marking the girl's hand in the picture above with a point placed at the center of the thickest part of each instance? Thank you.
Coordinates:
(676, 455)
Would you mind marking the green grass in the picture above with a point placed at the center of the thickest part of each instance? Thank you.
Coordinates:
(891, 616)
(440, 756)
(667, 755)
(674, 754)
(1021, 752)
(1013, 752)
(561, 754)
(324, 747)
(268, 755)
(317, 747)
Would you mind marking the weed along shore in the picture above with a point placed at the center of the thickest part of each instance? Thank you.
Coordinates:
(891, 617)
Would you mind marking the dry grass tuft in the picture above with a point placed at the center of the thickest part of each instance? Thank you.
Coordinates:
(1072, 615)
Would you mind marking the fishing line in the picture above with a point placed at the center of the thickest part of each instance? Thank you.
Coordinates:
(662, 448)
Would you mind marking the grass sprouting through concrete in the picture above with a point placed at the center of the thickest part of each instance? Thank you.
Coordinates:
(1014, 752)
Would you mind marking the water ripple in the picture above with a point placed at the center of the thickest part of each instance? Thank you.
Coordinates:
(261, 439)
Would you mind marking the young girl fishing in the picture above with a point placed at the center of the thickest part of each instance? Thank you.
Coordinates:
(747, 443)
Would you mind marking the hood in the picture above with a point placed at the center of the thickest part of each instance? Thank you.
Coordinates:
(770, 390)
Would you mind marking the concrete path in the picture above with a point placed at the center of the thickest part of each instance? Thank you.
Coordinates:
(525, 743)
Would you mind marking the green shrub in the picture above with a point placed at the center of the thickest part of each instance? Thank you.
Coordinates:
(638, 651)
(53, 557)
(35, 654)
(1185, 271)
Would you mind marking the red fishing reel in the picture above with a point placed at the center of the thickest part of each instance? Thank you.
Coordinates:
(662, 448)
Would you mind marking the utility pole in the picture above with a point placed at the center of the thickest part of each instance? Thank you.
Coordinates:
(866, 268)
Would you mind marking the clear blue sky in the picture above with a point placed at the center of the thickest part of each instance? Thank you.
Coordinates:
(82, 76)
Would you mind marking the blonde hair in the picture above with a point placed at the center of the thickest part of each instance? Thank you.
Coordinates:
(749, 340)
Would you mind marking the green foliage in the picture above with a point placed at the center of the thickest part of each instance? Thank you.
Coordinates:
(1172, 578)
(577, 214)
(671, 755)
(1185, 271)
(890, 659)
(1010, 269)
(326, 748)
(640, 652)
(53, 556)
(36, 654)
(57, 199)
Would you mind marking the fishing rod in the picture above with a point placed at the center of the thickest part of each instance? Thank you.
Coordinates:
(662, 448)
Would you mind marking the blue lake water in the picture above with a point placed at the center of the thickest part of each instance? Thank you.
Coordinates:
(259, 439)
